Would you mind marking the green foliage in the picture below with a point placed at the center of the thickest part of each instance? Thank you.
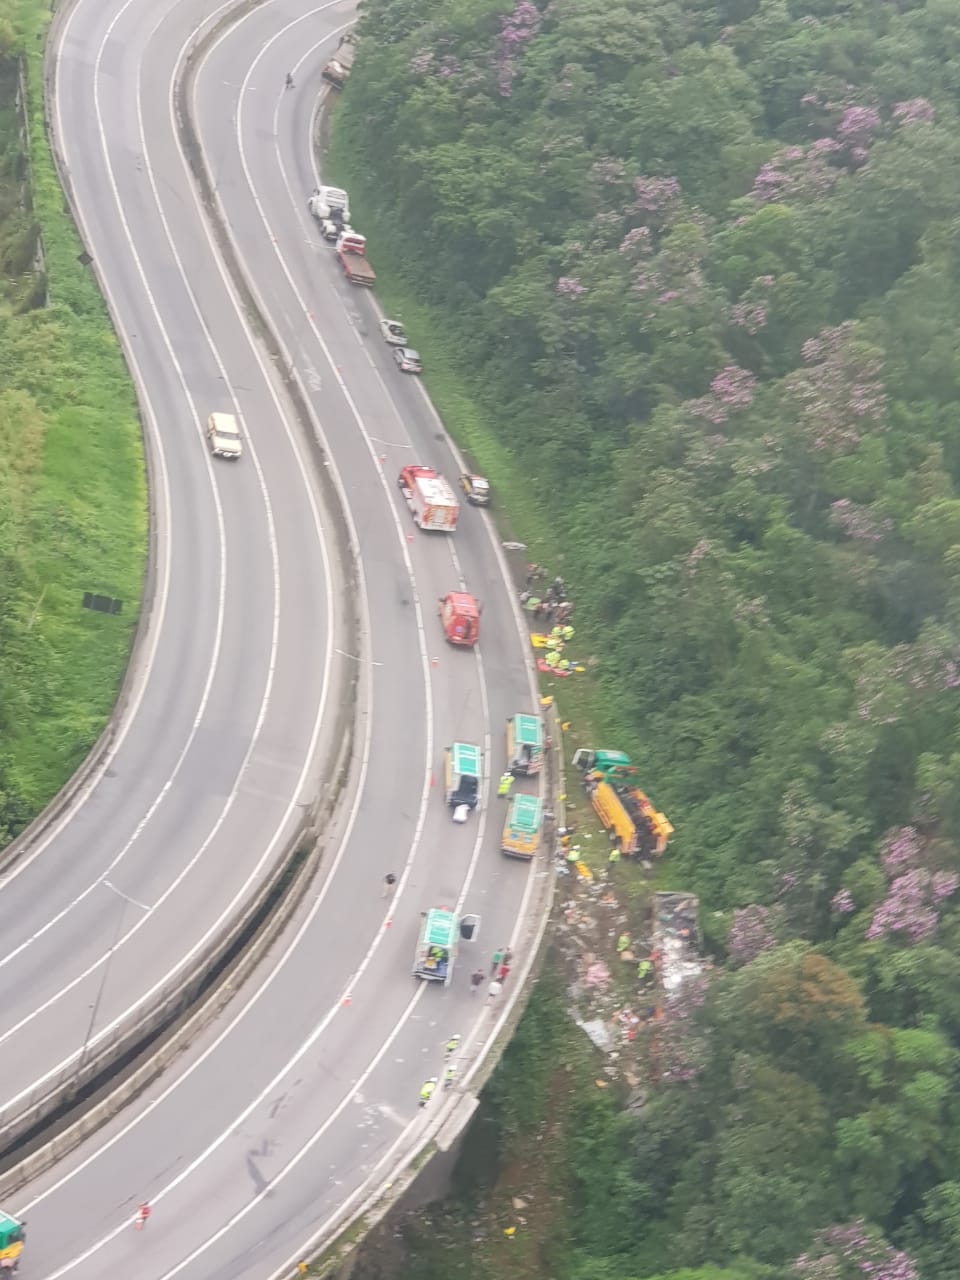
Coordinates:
(72, 492)
(686, 276)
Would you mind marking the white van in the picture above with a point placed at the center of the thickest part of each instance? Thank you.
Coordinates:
(223, 432)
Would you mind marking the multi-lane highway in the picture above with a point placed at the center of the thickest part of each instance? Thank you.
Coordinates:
(298, 1098)
(240, 673)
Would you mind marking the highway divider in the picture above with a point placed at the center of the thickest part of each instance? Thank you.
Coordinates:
(113, 1071)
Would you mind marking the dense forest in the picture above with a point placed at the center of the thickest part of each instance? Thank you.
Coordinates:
(703, 260)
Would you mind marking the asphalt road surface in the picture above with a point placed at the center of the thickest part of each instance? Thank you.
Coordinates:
(296, 1101)
(240, 678)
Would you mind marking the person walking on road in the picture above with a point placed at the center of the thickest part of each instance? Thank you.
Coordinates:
(389, 884)
(507, 956)
(504, 785)
(502, 973)
(493, 991)
(143, 1213)
(496, 962)
(426, 1092)
(476, 981)
(289, 80)
(448, 1077)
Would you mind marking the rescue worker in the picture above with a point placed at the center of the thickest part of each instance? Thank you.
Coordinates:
(552, 659)
(504, 785)
(644, 971)
(567, 632)
(614, 854)
(453, 1044)
(426, 1092)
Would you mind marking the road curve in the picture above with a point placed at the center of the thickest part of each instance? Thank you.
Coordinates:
(292, 1104)
(241, 671)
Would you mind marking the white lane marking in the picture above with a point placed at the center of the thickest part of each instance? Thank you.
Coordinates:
(125, 896)
(276, 1180)
(275, 555)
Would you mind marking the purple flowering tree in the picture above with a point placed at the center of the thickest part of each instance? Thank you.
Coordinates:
(911, 909)
(517, 29)
(655, 196)
(570, 287)
(796, 174)
(750, 312)
(840, 394)
(854, 1252)
(750, 934)
(916, 111)
(733, 388)
(859, 126)
(842, 902)
(858, 522)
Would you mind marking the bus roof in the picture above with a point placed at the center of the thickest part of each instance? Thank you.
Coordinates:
(465, 759)
(525, 813)
(440, 927)
(528, 731)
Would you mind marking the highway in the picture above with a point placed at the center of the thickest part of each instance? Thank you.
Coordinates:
(239, 679)
(292, 1104)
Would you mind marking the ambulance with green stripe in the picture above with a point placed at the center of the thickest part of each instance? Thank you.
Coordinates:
(521, 831)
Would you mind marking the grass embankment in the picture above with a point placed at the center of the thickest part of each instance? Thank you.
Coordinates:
(73, 515)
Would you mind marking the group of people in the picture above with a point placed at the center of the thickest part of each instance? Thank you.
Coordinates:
(552, 605)
(499, 969)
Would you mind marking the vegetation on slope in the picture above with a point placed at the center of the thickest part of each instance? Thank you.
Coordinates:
(72, 492)
(699, 264)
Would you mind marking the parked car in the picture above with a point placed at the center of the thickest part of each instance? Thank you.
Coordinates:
(392, 331)
(407, 360)
(476, 489)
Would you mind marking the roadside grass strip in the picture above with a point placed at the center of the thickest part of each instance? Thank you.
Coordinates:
(73, 502)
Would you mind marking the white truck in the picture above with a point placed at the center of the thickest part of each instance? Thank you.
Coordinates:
(330, 203)
(431, 500)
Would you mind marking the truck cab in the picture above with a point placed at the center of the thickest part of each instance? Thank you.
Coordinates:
(462, 775)
(524, 745)
(331, 203)
(440, 935)
(614, 765)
